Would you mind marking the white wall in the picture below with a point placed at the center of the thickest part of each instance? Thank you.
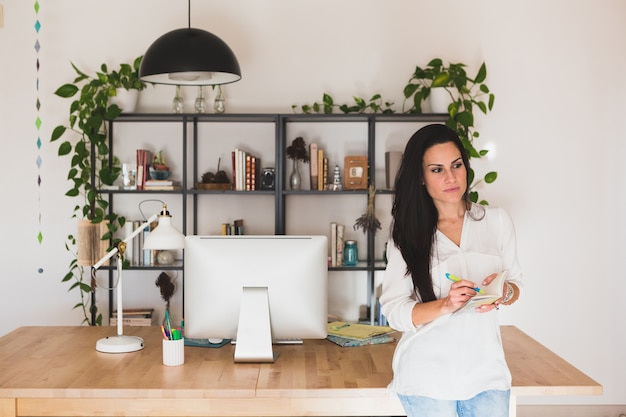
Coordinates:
(557, 69)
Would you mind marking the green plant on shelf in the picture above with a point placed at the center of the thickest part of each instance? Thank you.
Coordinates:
(466, 95)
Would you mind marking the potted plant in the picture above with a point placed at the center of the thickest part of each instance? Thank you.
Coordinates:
(297, 152)
(91, 167)
(127, 85)
(465, 95)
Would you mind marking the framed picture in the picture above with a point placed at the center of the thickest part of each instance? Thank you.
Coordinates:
(355, 172)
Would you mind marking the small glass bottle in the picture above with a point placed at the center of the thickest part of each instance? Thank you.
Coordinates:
(177, 103)
(350, 253)
(200, 103)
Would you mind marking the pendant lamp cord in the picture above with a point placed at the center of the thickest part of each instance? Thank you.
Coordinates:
(189, 14)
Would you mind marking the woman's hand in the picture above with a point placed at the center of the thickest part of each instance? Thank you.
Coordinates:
(460, 293)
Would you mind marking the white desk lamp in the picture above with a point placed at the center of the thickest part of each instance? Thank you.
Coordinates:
(164, 236)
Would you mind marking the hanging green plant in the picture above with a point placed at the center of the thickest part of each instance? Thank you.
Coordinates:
(466, 94)
(91, 166)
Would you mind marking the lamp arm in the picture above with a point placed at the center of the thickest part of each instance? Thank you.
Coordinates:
(128, 238)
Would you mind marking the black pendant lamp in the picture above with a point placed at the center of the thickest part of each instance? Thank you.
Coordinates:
(189, 56)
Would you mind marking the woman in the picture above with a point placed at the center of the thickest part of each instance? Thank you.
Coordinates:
(448, 360)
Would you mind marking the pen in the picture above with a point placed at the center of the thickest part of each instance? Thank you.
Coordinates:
(456, 279)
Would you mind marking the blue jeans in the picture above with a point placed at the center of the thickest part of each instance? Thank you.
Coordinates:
(486, 404)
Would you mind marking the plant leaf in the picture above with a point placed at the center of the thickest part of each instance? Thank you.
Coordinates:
(66, 90)
(482, 74)
(57, 132)
(65, 148)
(491, 177)
(441, 80)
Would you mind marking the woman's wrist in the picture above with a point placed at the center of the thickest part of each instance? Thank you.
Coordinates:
(511, 293)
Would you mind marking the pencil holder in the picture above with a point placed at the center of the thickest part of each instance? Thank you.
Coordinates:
(173, 352)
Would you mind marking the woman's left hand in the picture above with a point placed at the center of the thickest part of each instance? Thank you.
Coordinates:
(496, 304)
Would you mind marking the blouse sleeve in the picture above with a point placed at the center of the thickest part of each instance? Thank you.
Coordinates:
(398, 296)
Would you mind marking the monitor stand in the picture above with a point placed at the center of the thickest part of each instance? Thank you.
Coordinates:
(254, 333)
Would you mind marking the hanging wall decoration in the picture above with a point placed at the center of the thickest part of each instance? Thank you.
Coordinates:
(38, 119)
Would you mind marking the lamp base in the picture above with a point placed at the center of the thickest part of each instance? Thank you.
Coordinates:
(119, 344)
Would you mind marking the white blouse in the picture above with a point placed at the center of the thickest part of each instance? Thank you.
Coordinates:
(457, 355)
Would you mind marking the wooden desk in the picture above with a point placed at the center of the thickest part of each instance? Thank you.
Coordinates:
(56, 371)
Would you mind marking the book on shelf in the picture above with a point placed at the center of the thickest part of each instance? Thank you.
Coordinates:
(144, 157)
(130, 245)
(320, 169)
(333, 244)
(148, 256)
(252, 172)
(151, 182)
(336, 243)
(135, 312)
(132, 321)
(339, 238)
(313, 165)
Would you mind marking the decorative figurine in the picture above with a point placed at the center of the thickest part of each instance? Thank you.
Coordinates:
(336, 185)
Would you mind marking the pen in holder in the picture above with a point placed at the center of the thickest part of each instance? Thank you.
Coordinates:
(173, 352)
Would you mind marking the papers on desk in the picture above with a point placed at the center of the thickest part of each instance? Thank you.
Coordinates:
(355, 334)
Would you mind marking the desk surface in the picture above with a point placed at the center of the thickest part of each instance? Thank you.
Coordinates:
(57, 371)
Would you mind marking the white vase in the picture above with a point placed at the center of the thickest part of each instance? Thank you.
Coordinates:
(439, 100)
(125, 99)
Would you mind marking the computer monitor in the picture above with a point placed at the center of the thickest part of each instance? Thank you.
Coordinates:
(256, 290)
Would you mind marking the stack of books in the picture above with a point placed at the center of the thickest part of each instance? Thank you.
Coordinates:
(355, 334)
(161, 185)
(134, 317)
(236, 228)
(318, 168)
(134, 254)
(246, 170)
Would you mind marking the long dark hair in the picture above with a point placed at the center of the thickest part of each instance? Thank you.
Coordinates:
(414, 214)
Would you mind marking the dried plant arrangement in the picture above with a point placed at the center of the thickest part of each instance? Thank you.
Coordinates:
(368, 220)
(297, 150)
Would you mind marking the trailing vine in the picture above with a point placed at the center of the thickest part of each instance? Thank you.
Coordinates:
(91, 167)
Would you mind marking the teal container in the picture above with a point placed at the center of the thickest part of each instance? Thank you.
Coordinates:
(350, 253)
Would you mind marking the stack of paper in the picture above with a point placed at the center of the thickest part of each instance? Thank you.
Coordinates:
(355, 334)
